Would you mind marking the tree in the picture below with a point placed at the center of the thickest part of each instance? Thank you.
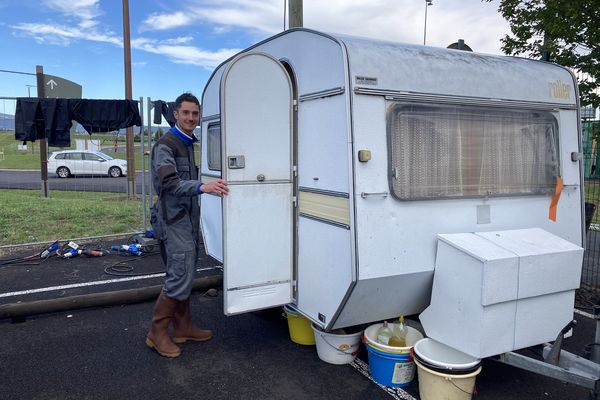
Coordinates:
(566, 30)
(158, 133)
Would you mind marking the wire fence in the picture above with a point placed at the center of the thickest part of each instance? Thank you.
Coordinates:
(91, 202)
(590, 277)
(87, 183)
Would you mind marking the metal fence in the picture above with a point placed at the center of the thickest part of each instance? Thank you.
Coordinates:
(20, 173)
(111, 209)
(590, 278)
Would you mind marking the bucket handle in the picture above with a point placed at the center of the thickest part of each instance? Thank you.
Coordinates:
(338, 349)
(474, 392)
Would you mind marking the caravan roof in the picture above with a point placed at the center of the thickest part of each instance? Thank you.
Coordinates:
(323, 61)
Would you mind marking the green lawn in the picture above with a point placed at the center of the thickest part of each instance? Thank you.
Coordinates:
(26, 217)
(592, 195)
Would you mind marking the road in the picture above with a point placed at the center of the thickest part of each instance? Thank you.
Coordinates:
(11, 179)
(99, 353)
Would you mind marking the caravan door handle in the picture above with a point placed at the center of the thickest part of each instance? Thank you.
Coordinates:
(236, 162)
(365, 195)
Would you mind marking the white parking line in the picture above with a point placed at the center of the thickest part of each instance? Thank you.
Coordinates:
(94, 283)
(83, 284)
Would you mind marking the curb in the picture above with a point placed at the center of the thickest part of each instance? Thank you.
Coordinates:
(118, 297)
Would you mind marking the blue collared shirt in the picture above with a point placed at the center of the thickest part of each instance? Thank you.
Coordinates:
(183, 136)
(188, 142)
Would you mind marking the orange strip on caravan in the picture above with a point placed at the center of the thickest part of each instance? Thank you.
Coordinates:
(554, 202)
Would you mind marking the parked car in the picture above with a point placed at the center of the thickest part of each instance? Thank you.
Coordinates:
(66, 163)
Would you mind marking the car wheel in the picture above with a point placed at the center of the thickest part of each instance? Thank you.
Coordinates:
(63, 172)
(115, 172)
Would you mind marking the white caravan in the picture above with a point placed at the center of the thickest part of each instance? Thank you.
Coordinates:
(351, 161)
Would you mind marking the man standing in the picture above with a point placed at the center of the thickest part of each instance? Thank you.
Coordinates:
(175, 220)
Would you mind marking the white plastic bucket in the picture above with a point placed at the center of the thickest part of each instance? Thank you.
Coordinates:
(444, 372)
(437, 385)
(445, 357)
(336, 348)
(412, 337)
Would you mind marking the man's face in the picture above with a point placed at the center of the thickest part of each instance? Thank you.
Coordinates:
(187, 117)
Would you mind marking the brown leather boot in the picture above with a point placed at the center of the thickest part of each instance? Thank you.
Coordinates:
(158, 337)
(184, 329)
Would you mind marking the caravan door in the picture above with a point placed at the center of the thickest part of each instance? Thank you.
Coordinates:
(256, 127)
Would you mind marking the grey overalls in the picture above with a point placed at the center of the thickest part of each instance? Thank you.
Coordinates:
(175, 215)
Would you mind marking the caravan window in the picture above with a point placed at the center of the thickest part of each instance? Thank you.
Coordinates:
(463, 151)
(213, 138)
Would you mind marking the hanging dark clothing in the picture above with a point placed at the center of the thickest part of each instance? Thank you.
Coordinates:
(57, 122)
(29, 120)
(164, 109)
(48, 119)
(106, 115)
(51, 119)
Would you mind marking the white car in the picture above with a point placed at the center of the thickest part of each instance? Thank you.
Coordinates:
(85, 162)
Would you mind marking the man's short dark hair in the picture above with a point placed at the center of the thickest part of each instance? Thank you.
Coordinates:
(187, 96)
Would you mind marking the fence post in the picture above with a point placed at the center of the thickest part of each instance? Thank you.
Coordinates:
(143, 164)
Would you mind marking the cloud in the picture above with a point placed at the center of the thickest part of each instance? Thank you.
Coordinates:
(163, 22)
(251, 15)
(179, 40)
(86, 11)
(181, 54)
(375, 18)
(63, 35)
(473, 20)
(174, 48)
(478, 23)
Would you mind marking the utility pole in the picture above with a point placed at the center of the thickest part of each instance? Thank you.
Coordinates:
(41, 93)
(295, 14)
(128, 96)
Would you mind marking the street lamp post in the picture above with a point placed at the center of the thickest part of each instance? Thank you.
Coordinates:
(427, 4)
(29, 89)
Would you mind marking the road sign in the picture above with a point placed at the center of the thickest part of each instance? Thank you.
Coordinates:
(56, 87)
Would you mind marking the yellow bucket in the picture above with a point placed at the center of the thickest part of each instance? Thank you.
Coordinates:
(299, 326)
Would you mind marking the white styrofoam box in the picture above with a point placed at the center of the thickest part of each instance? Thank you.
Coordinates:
(456, 316)
(498, 280)
(495, 292)
(539, 319)
(539, 250)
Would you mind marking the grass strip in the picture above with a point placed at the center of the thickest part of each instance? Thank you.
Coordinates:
(27, 217)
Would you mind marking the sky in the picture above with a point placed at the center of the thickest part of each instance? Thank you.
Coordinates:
(175, 45)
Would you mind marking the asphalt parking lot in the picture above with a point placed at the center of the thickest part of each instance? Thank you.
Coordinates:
(99, 352)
